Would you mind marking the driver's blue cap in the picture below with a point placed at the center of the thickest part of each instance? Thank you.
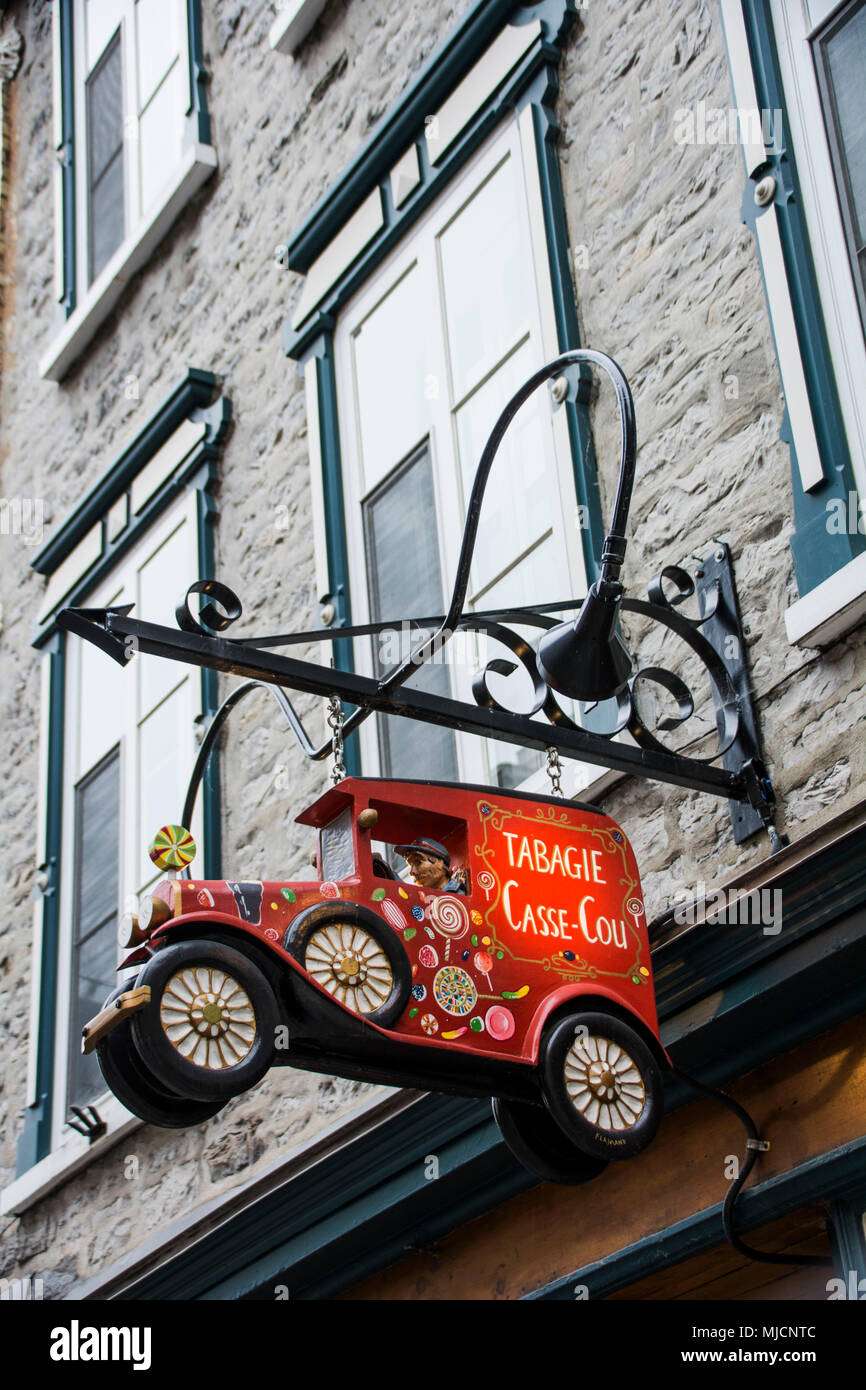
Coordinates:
(428, 847)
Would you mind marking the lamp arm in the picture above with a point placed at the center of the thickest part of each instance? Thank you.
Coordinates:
(613, 553)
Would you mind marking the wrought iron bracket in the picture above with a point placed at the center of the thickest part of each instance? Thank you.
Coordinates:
(585, 729)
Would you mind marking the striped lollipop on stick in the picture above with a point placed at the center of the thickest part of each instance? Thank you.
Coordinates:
(172, 847)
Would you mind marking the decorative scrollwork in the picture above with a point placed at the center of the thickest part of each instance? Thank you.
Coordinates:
(210, 619)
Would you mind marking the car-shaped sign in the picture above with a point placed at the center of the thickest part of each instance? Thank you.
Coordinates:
(527, 979)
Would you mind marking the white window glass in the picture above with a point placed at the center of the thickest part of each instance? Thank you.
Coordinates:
(428, 354)
(105, 157)
(486, 278)
(160, 136)
(522, 493)
(392, 374)
(162, 776)
(158, 597)
(157, 46)
(101, 20)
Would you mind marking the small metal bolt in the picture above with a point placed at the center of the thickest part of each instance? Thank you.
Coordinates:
(559, 389)
(328, 614)
(719, 555)
(281, 256)
(765, 190)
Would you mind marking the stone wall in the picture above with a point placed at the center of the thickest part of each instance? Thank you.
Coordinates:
(669, 284)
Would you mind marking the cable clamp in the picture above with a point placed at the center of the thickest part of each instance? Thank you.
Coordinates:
(762, 1145)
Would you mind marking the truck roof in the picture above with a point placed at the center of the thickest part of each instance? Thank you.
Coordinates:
(323, 810)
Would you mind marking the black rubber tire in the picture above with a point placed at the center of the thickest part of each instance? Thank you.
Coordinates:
(125, 1076)
(532, 1135)
(322, 914)
(602, 1141)
(177, 1072)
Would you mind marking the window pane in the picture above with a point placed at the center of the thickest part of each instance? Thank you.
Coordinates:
(102, 17)
(163, 773)
(846, 62)
(391, 372)
(94, 954)
(105, 158)
(405, 581)
(156, 30)
(159, 135)
(522, 496)
(162, 583)
(486, 273)
(102, 691)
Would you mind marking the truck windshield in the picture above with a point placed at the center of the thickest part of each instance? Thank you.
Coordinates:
(338, 856)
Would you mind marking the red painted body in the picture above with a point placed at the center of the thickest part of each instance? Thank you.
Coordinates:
(553, 911)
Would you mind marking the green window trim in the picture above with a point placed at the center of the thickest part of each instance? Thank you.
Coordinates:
(817, 552)
(191, 400)
(534, 83)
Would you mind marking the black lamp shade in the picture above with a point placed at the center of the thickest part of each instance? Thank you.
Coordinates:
(587, 659)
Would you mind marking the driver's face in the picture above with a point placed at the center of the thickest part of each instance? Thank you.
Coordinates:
(427, 872)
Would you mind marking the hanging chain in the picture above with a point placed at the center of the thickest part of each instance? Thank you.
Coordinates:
(335, 723)
(554, 771)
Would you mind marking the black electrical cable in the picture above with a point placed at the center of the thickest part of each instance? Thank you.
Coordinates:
(754, 1146)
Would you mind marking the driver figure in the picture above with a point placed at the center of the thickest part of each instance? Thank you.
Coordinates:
(430, 866)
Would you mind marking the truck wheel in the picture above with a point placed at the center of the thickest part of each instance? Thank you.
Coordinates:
(208, 1031)
(602, 1085)
(536, 1140)
(125, 1075)
(355, 956)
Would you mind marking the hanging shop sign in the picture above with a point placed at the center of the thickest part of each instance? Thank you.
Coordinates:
(510, 957)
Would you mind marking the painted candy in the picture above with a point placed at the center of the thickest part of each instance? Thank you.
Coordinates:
(454, 991)
(516, 993)
(287, 894)
(449, 916)
(486, 882)
(392, 914)
(428, 957)
(500, 1023)
(329, 890)
(456, 1033)
(378, 894)
(429, 1022)
(172, 847)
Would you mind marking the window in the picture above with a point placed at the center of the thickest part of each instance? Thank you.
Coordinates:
(132, 138)
(117, 745)
(840, 54)
(427, 355)
(130, 745)
(793, 58)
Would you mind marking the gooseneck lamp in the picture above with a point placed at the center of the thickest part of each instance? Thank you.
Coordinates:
(585, 659)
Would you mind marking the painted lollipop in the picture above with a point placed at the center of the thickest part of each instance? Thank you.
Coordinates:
(484, 963)
(172, 847)
(487, 882)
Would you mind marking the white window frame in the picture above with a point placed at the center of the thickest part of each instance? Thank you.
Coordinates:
(794, 28)
(118, 586)
(144, 227)
(515, 138)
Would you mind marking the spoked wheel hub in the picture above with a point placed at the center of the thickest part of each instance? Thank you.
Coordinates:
(603, 1083)
(350, 964)
(208, 1017)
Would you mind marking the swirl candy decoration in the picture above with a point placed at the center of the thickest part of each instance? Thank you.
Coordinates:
(172, 847)
(449, 917)
(486, 882)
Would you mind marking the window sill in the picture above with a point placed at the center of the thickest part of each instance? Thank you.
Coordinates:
(831, 609)
(293, 24)
(197, 164)
(71, 1155)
